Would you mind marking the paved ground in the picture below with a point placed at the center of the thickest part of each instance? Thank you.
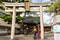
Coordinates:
(26, 37)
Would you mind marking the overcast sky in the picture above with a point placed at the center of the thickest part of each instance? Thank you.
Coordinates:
(38, 1)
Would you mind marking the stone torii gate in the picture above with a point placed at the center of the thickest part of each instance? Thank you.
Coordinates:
(27, 8)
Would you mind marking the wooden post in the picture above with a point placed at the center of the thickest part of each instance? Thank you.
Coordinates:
(41, 22)
(13, 23)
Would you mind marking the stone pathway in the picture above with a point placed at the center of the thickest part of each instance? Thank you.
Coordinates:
(26, 37)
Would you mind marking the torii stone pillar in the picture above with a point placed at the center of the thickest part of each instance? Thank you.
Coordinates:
(41, 22)
(13, 23)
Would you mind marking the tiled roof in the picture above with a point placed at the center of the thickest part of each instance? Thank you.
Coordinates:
(29, 21)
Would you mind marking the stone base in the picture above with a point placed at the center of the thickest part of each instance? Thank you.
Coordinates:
(12, 39)
(39, 39)
(42, 39)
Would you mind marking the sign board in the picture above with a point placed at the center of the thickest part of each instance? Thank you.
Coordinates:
(56, 28)
(56, 36)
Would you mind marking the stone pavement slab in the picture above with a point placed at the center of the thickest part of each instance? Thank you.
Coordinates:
(24, 37)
